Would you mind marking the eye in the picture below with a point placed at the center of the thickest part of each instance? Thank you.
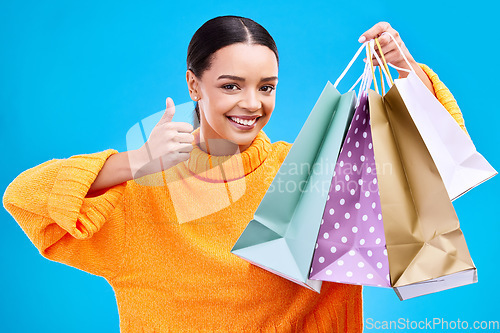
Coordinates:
(268, 88)
(230, 87)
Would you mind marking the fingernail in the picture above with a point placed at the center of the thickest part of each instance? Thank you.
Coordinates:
(362, 39)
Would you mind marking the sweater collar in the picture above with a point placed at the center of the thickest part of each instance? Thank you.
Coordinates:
(228, 167)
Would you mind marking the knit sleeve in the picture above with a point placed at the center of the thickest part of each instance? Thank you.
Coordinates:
(444, 96)
(49, 203)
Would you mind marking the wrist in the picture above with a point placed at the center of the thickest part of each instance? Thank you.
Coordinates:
(136, 160)
(116, 170)
(404, 64)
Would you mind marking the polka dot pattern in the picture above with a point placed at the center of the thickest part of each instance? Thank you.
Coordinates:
(355, 250)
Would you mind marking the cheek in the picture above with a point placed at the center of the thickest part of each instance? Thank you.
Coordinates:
(216, 106)
(268, 105)
(222, 104)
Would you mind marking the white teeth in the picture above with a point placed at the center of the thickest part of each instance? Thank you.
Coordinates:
(243, 121)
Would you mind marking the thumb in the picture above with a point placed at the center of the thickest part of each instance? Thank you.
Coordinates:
(169, 111)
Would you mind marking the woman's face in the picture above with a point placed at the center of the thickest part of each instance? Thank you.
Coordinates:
(236, 96)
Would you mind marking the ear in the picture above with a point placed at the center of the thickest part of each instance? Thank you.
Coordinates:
(193, 86)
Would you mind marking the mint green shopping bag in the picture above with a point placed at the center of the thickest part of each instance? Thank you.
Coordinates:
(282, 235)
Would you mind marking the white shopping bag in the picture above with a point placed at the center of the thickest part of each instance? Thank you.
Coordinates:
(460, 165)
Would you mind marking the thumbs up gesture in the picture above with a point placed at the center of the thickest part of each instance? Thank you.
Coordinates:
(168, 144)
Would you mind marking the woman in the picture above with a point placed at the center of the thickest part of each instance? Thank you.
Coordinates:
(165, 249)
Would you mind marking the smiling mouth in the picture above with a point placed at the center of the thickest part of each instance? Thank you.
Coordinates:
(244, 122)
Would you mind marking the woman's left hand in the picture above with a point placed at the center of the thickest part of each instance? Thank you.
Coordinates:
(391, 52)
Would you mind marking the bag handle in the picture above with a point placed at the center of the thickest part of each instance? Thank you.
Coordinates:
(370, 48)
(383, 65)
(368, 73)
(367, 80)
(362, 77)
(382, 69)
(388, 73)
(349, 66)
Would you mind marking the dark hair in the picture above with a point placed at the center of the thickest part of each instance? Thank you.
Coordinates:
(219, 32)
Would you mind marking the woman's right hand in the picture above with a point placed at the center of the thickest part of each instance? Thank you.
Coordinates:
(169, 144)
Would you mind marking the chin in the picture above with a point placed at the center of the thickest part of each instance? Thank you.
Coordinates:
(242, 138)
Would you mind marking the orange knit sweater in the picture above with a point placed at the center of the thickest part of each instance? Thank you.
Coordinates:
(163, 242)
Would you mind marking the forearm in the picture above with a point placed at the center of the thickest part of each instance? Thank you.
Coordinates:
(115, 170)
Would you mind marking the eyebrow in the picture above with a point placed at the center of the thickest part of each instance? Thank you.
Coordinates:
(238, 78)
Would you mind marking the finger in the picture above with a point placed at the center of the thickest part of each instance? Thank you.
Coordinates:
(386, 38)
(184, 137)
(395, 58)
(169, 111)
(391, 57)
(181, 127)
(184, 148)
(374, 31)
(377, 63)
(395, 43)
(376, 55)
(174, 158)
(386, 48)
(184, 156)
(374, 61)
(384, 41)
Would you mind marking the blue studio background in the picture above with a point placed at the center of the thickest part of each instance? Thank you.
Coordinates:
(75, 76)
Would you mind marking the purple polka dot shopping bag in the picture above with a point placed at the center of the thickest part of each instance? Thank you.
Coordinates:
(351, 245)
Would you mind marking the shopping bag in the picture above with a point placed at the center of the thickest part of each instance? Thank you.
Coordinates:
(426, 249)
(351, 245)
(460, 165)
(282, 234)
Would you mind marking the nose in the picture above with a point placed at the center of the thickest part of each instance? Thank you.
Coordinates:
(251, 101)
